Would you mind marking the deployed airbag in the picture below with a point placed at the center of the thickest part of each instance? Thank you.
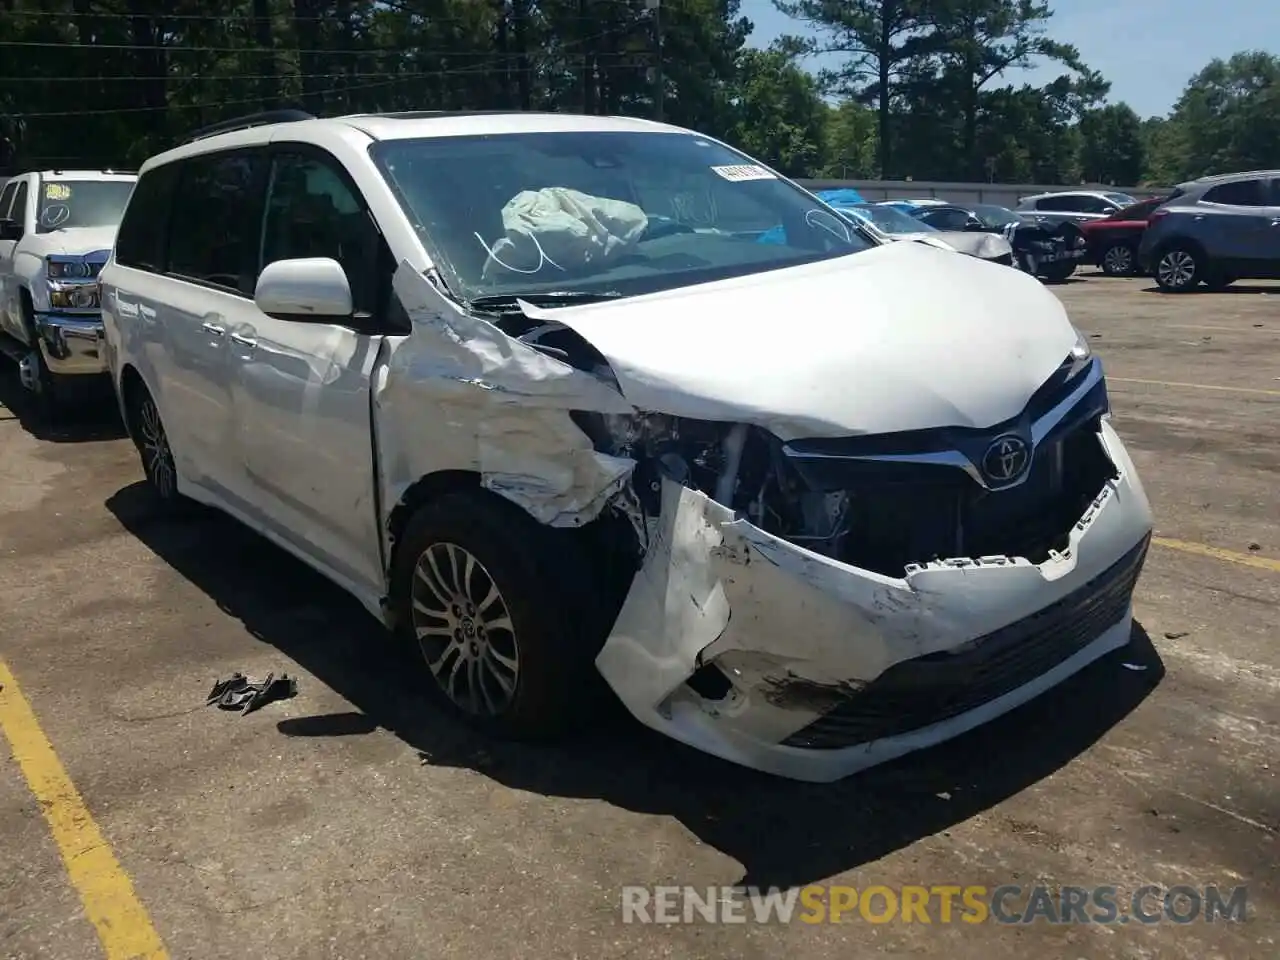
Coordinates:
(565, 229)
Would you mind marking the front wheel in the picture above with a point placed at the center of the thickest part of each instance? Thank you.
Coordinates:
(502, 613)
(1178, 270)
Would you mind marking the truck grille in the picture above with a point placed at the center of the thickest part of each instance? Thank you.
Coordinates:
(926, 690)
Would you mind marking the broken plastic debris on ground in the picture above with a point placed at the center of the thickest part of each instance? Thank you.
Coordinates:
(239, 692)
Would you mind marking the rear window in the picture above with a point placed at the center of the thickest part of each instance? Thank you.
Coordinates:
(1241, 193)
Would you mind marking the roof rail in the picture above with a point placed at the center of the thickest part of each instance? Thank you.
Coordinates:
(248, 121)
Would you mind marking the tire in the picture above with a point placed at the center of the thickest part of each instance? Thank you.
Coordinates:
(511, 650)
(1058, 272)
(1119, 260)
(1179, 268)
(152, 442)
(50, 392)
(49, 389)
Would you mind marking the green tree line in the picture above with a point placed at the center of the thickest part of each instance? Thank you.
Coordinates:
(921, 88)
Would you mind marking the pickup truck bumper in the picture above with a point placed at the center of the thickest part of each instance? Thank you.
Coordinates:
(71, 344)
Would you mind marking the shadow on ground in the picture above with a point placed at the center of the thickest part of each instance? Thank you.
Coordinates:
(783, 833)
(1240, 288)
(90, 414)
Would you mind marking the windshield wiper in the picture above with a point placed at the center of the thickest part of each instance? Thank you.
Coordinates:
(506, 302)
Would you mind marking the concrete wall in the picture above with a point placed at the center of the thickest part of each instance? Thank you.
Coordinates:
(1002, 194)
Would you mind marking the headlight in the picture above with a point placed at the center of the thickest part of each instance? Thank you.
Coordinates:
(67, 269)
(1081, 350)
(74, 296)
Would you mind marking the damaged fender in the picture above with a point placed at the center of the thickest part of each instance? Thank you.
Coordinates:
(462, 395)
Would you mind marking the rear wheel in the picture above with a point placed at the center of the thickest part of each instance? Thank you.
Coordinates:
(1118, 260)
(1179, 269)
(152, 442)
(503, 612)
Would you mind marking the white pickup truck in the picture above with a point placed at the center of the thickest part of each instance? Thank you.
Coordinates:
(56, 232)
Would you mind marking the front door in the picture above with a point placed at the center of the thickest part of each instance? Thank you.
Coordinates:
(301, 390)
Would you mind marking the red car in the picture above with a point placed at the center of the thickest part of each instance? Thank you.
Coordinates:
(1113, 240)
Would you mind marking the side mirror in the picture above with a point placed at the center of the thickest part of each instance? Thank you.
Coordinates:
(10, 230)
(975, 226)
(313, 289)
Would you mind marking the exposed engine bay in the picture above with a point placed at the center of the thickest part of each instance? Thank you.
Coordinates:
(873, 512)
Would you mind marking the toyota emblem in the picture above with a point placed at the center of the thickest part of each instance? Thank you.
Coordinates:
(1006, 459)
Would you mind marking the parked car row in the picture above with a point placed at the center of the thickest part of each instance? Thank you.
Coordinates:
(556, 401)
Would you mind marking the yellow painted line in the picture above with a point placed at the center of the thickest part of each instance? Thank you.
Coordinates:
(123, 926)
(1195, 386)
(1217, 553)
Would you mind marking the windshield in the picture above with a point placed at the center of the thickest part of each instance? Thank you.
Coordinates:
(1121, 198)
(81, 203)
(889, 219)
(607, 212)
(993, 216)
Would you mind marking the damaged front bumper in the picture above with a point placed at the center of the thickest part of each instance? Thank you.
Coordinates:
(748, 647)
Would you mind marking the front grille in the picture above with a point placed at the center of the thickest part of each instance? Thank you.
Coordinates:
(917, 693)
(904, 513)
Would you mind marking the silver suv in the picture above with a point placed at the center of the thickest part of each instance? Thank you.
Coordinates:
(1075, 206)
(1216, 230)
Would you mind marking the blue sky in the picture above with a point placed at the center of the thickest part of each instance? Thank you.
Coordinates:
(1148, 49)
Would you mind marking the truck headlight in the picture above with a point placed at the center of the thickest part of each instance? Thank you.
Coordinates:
(67, 268)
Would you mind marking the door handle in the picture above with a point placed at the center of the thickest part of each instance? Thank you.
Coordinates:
(212, 328)
(244, 341)
(1276, 222)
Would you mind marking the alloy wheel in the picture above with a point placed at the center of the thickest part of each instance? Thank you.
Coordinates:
(1176, 270)
(1118, 259)
(157, 458)
(464, 630)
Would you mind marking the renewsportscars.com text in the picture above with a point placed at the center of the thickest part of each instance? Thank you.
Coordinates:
(941, 904)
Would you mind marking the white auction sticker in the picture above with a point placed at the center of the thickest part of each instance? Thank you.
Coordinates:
(745, 171)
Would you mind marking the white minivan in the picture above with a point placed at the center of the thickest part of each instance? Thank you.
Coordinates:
(533, 389)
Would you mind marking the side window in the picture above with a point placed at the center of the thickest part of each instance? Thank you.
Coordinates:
(946, 219)
(6, 198)
(1275, 192)
(315, 211)
(19, 209)
(1056, 203)
(140, 240)
(1094, 205)
(1241, 193)
(212, 229)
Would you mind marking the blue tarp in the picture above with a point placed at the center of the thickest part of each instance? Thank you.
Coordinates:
(843, 197)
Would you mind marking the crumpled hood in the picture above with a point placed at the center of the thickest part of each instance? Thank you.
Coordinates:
(900, 337)
(985, 246)
(78, 241)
